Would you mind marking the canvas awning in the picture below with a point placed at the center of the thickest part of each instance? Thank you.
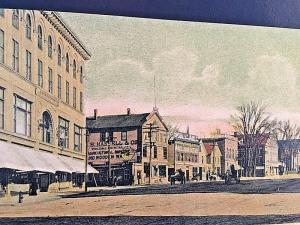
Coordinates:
(13, 156)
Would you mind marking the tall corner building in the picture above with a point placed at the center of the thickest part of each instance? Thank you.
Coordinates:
(42, 135)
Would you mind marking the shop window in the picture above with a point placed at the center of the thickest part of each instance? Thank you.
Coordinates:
(22, 116)
(162, 171)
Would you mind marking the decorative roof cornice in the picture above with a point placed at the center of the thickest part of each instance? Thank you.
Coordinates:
(56, 20)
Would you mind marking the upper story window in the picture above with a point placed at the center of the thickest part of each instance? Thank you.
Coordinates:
(81, 74)
(67, 62)
(28, 27)
(50, 80)
(77, 138)
(155, 152)
(74, 97)
(81, 102)
(28, 65)
(59, 86)
(1, 46)
(124, 136)
(2, 12)
(50, 46)
(22, 116)
(59, 55)
(1, 108)
(74, 69)
(15, 18)
(67, 92)
(63, 132)
(40, 73)
(40, 37)
(165, 152)
(47, 128)
(15, 56)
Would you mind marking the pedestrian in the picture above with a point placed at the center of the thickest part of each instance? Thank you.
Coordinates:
(114, 181)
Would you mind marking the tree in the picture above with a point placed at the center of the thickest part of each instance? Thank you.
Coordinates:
(173, 129)
(253, 125)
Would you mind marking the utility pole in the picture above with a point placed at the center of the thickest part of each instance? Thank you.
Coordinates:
(87, 135)
(151, 129)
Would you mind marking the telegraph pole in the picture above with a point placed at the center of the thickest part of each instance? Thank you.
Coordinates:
(87, 135)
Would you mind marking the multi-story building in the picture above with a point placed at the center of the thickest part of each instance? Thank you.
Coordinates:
(229, 149)
(264, 156)
(131, 148)
(183, 151)
(41, 96)
(212, 159)
(289, 154)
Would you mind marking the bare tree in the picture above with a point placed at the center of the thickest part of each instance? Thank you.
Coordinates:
(288, 133)
(173, 129)
(253, 125)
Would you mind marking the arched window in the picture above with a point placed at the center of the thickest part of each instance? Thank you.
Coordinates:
(59, 55)
(74, 69)
(40, 37)
(50, 46)
(67, 62)
(15, 18)
(81, 74)
(47, 128)
(28, 27)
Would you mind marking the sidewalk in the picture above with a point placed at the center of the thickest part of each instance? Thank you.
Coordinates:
(279, 177)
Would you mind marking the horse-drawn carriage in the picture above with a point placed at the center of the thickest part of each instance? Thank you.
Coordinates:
(231, 174)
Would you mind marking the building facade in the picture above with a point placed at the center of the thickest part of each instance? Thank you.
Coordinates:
(42, 86)
(212, 159)
(289, 154)
(183, 151)
(131, 148)
(229, 149)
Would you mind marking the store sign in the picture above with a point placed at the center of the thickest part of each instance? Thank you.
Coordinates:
(119, 151)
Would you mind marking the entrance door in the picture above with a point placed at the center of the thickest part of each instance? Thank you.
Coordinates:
(200, 173)
(187, 175)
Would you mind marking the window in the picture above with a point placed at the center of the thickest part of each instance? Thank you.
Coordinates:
(145, 151)
(124, 135)
(15, 62)
(28, 65)
(81, 101)
(15, 18)
(165, 149)
(67, 92)
(74, 69)
(40, 73)
(1, 108)
(2, 12)
(59, 86)
(50, 80)
(63, 128)
(103, 137)
(81, 74)
(50, 46)
(77, 138)
(59, 55)
(40, 37)
(22, 116)
(67, 62)
(28, 27)
(47, 128)
(208, 159)
(74, 97)
(1, 46)
(155, 152)
(162, 171)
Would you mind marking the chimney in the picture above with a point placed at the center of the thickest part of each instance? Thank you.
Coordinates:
(95, 113)
(128, 111)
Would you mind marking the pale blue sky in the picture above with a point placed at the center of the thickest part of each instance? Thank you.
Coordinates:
(201, 69)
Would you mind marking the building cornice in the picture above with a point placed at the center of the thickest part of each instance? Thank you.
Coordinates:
(56, 20)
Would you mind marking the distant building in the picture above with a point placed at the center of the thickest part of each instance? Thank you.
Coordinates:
(42, 64)
(183, 154)
(212, 160)
(119, 146)
(266, 155)
(229, 150)
(289, 154)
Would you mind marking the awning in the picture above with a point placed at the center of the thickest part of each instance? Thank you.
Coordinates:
(22, 158)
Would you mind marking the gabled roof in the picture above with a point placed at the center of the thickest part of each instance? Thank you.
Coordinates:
(117, 121)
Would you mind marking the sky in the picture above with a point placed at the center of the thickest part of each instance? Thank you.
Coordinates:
(203, 71)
